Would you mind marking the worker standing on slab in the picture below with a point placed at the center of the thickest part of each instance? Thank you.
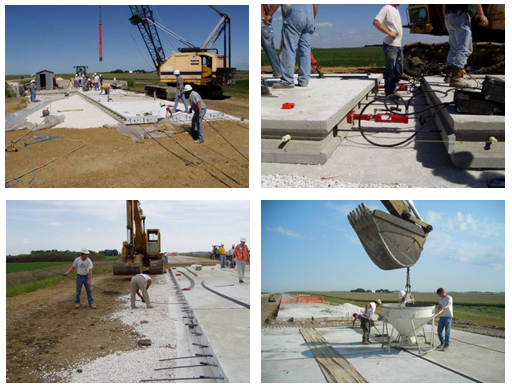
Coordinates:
(241, 254)
(33, 91)
(231, 256)
(458, 24)
(267, 41)
(83, 266)
(76, 80)
(222, 252)
(446, 319)
(84, 83)
(389, 22)
(366, 320)
(96, 82)
(180, 95)
(199, 107)
(140, 282)
(298, 26)
(101, 80)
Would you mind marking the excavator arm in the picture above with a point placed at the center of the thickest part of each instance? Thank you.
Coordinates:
(392, 240)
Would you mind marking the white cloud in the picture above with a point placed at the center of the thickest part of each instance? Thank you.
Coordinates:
(324, 25)
(342, 209)
(26, 241)
(464, 222)
(283, 231)
(56, 224)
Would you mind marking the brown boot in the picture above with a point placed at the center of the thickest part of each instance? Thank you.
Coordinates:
(448, 77)
(456, 81)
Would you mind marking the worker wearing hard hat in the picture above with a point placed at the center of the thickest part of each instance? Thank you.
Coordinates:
(33, 91)
(446, 319)
(222, 252)
(366, 320)
(180, 95)
(199, 107)
(165, 111)
(242, 255)
(76, 81)
(96, 82)
(101, 80)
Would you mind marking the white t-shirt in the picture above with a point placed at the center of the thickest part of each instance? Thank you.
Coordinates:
(389, 17)
(370, 311)
(146, 277)
(443, 301)
(82, 267)
(163, 112)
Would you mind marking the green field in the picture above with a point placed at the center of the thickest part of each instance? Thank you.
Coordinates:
(480, 309)
(344, 57)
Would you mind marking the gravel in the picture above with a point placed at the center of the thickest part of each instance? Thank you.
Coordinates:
(287, 181)
(132, 366)
(90, 117)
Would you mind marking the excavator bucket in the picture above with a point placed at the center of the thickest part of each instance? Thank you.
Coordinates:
(390, 242)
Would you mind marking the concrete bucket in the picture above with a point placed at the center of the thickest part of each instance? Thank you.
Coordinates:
(390, 242)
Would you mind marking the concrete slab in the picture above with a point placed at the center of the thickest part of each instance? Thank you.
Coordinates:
(224, 324)
(467, 136)
(471, 358)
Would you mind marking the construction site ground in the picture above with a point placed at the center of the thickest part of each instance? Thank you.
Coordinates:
(47, 338)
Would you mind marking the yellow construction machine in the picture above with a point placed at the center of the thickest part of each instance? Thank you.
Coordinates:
(488, 42)
(141, 252)
(394, 240)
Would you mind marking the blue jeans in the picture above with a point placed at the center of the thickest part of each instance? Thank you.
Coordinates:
(298, 26)
(267, 43)
(394, 67)
(461, 42)
(177, 98)
(84, 85)
(82, 280)
(223, 260)
(197, 120)
(32, 96)
(444, 323)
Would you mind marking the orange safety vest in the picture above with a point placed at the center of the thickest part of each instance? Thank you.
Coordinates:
(241, 254)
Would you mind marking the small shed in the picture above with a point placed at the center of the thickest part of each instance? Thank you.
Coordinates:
(44, 80)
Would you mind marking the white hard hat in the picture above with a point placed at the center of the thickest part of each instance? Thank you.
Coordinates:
(76, 75)
(84, 250)
(162, 103)
(33, 81)
(176, 72)
(101, 75)
(187, 88)
(242, 239)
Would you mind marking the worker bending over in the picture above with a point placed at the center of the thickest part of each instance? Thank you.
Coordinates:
(140, 282)
(199, 107)
(366, 320)
(241, 254)
(180, 95)
(83, 266)
(165, 111)
(446, 319)
(105, 88)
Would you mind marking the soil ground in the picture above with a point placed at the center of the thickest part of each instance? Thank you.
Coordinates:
(43, 328)
(14, 104)
(111, 160)
(233, 106)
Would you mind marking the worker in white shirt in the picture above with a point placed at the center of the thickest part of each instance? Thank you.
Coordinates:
(140, 282)
(165, 111)
(366, 320)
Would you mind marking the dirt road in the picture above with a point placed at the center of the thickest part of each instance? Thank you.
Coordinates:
(111, 160)
(233, 106)
(45, 331)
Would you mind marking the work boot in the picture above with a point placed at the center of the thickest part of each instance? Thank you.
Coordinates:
(280, 85)
(92, 306)
(456, 81)
(449, 75)
(445, 348)
(199, 141)
(440, 347)
(77, 306)
(366, 343)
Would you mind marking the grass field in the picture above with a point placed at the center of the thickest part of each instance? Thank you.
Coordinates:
(240, 89)
(481, 309)
(344, 57)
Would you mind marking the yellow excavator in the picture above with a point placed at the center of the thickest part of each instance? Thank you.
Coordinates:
(392, 240)
(141, 251)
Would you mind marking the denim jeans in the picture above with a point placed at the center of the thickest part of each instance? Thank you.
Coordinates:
(298, 26)
(82, 280)
(177, 99)
(394, 67)
(84, 85)
(33, 96)
(461, 42)
(267, 43)
(222, 260)
(444, 323)
(197, 120)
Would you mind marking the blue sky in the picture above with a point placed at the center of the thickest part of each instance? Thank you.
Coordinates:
(350, 25)
(59, 37)
(98, 225)
(310, 246)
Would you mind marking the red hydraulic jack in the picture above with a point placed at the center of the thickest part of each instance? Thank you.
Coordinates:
(400, 87)
(378, 118)
(316, 67)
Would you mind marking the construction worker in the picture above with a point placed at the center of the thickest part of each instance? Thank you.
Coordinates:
(179, 91)
(140, 282)
(165, 111)
(231, 256)
(298, 26)
(222, 252)
(96, 82)
(366, 320)
(445, 320)
(76, 80)
(101, 80)
(199, 107)
(83, 266)
(241, 254)
(32, 91)
(389, 22)
(356, 316)
(267, 41)
(84, 83)
(458, 24)
(105, 88)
